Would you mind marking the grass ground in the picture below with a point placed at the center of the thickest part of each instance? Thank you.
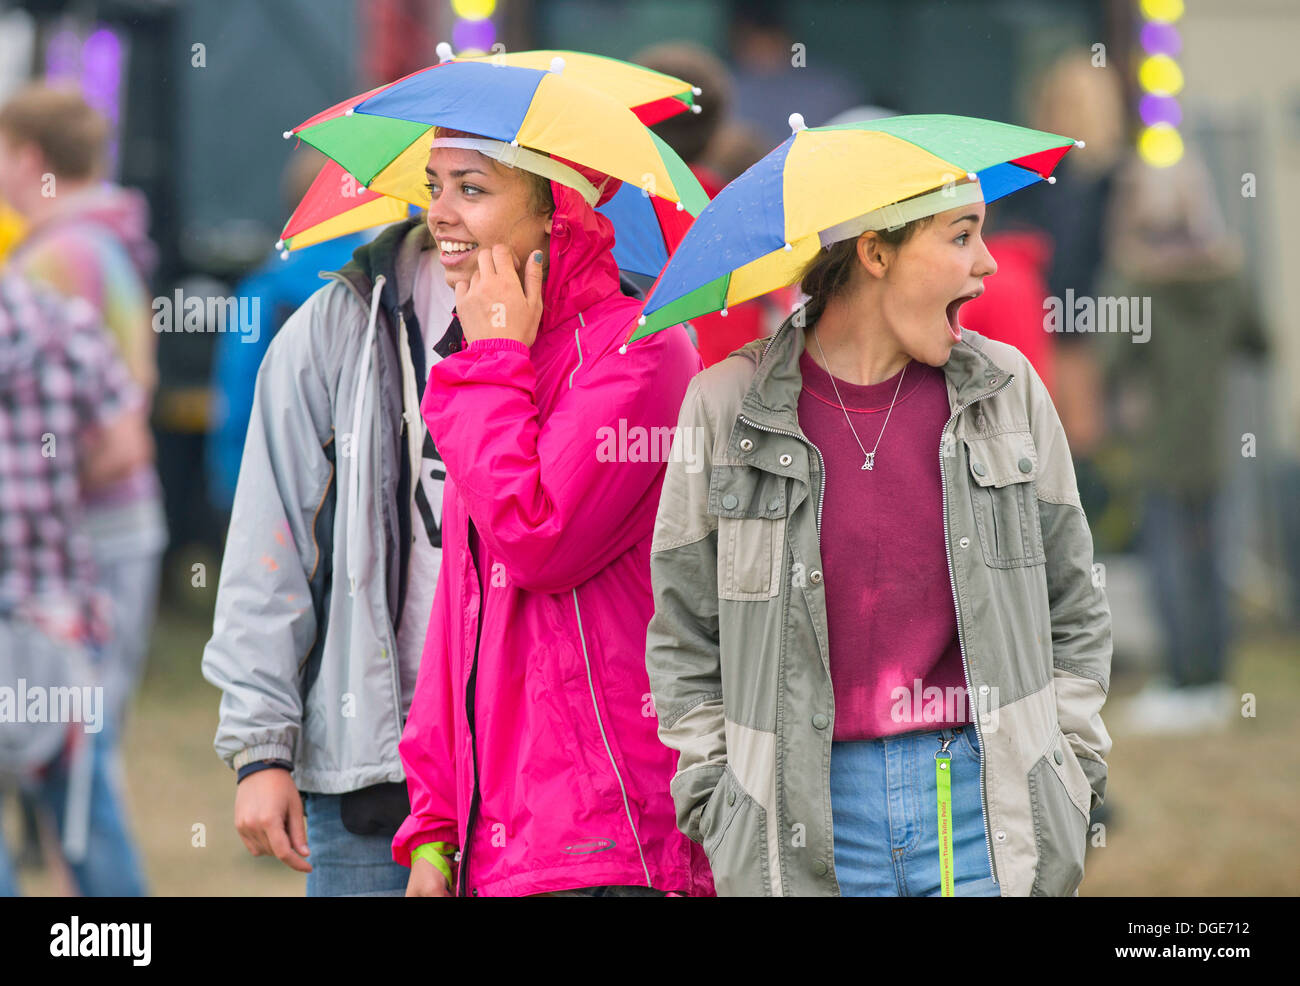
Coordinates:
(1209, 815)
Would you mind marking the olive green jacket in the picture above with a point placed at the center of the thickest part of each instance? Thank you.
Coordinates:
(737, 648)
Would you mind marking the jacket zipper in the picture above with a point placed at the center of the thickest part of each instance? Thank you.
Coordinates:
(961, 636)
(470, 695)
(604, 739)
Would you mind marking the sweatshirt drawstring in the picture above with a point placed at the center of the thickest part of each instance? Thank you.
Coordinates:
(354, 479)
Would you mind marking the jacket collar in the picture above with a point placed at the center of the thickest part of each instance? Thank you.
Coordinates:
(773, 395)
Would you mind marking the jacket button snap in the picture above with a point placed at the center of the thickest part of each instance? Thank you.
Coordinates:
(815, 576)
(729, 502)
(1025, 465)
(819, 867)
(773, 503)
(731, 797)
(1000, 835)
(787, 459)
(821, 720)
(1056, 755)
(964, 542)
(746, 444)
(990, 380)
(978, 468)
(984, 689)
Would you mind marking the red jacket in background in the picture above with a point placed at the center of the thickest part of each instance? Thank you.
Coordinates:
(1011, 308)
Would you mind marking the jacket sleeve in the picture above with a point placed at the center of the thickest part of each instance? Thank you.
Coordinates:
(428, 741)
(682, 644)
(557, 501)
(265, 623)
(1080, 613)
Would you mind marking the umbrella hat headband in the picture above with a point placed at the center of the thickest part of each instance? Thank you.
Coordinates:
(891, 217)
(514, 156)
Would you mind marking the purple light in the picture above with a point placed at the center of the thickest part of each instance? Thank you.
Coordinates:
(1160, 109)
(1161, 39)
(102, 72)
(473, 34)
(62, 55)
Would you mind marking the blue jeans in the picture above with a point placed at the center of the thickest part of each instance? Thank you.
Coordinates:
(110, 866)
(344, 864)
(884, 805)
(1178, 539)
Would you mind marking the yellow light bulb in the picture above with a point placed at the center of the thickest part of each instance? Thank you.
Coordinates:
(1161, 75)
(1165, 11)
(1160, 145)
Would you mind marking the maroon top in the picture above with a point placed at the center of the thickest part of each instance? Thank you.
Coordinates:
(889, 604)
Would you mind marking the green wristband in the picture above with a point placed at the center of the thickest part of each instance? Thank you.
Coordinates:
(436, 853)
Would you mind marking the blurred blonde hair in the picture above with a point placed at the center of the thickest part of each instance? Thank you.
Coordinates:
(1076, 99)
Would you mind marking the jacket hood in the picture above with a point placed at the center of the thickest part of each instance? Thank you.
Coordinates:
(581, 270)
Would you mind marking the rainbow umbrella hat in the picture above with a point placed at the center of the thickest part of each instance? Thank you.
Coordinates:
(381, 140)
(819, 186)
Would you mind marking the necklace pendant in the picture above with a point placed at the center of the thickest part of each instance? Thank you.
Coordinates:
(871, 461)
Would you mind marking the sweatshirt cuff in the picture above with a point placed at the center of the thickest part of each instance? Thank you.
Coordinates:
(265, 751)
(497, 345)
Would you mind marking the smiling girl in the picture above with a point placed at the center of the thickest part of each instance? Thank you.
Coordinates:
(876, 643)
(532, 762)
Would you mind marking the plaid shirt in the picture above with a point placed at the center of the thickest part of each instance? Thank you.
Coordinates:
(60, 376)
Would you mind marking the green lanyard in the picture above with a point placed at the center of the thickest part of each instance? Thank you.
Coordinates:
(943, 781)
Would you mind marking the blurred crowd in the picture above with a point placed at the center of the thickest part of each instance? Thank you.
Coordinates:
(83, 530)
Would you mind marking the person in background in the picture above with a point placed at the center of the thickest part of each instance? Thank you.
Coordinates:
(1078, 100)
(1011, 308)
(1171, 251)
(330, 566)
(73, 422)
(691, 135)
(281, 285)
(774, 76)
(87, 238)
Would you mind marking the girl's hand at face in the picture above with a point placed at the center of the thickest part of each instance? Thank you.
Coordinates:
(494, 305)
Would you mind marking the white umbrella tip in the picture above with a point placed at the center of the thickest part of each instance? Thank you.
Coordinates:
(1051, 179)
(623, 349)
(443, 51)
(287, 134)
(279, 244)
(696, 91)
(723, 313)
(787, 247)
(1080, 144)
(696, 108)
(557, 64)
(971, 176)
(284, 254)
(796, 123)
(640, 320)
(680, 206)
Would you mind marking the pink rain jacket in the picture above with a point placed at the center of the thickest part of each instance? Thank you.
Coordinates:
(559, 781)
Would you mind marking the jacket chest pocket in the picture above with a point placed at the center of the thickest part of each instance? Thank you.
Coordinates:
(751, 507)
(1004, 498)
